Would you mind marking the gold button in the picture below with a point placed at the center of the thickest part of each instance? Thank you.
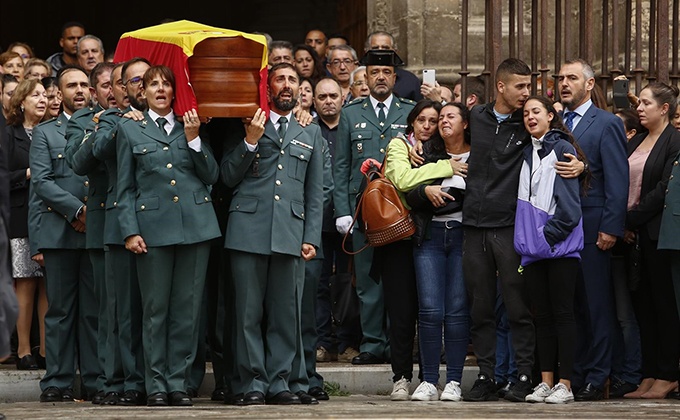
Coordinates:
(359, 136)
(166, 148)
(175, 199)
(257, 155)
(115, 204)
(671, 177)
(101, 205)
(302, 214)
(382, 150)
(173, 182)
(142, 207)
(87, 183)
(277, 198)
(144, 150)
(666, 190)
(280, 140)
(59, 156)
(283, 152)
(675, 163)
(382, 136)
(302, 156)
(280, 166)
(238, 206)
(278, 182)
(206, 199)
(49, 209)
(169, 165)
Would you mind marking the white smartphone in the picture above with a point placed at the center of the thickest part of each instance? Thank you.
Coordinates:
(429, 76)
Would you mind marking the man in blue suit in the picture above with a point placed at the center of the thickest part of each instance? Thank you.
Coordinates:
(602, 137)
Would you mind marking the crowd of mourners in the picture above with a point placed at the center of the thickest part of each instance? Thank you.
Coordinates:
(145, 243)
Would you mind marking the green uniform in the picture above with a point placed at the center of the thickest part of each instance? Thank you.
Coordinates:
(71, 318)
(276, 207)
(360, 136)
(163, 196)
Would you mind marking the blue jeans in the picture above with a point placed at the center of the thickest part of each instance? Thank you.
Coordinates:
(442, 300)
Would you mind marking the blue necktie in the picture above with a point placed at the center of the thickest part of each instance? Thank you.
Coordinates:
(569, 119)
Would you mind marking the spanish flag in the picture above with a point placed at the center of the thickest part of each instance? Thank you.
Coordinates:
(172, 44)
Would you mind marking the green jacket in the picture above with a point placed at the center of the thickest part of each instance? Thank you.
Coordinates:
(360, 137)
(163, 185)
(61, 191)
(278, 197)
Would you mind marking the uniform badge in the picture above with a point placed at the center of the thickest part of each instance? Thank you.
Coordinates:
(360, 148)
(85, 137)
(302, 144)
(356, 125)
(363, 125)
(144, 122)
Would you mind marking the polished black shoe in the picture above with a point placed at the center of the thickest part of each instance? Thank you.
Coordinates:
(305, 398)
(98, 397)
(27, 363)
(51, 394)
(132, 397)
(233, 399)
(67, 395)
(157, 399)
(318, 393)
(621, 388)
(180, 399)
(284, 398)
(218, 394)
(252, 398)
(112, 398)
(366, 358)
(39, 360)
(192, 393)
(589, 393)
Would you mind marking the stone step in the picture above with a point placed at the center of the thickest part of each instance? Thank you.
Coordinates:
(24, 386)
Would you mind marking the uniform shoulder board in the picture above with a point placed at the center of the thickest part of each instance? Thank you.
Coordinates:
(355, 101)
(407, 101)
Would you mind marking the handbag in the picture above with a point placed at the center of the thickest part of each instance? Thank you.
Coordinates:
(344, 299)
(384, 218)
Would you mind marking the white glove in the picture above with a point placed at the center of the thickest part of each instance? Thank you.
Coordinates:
(343, 223)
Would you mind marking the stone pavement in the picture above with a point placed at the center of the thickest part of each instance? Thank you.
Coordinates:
(355, 406)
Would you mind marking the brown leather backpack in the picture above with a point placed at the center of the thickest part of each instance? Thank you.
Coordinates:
(384, 218)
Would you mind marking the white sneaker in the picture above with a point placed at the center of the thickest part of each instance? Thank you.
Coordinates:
(425, 392)
(560, 395)
(540, 393)
(452, 392)
(400, 390)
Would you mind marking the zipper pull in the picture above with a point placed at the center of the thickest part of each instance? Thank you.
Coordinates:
(497, 127)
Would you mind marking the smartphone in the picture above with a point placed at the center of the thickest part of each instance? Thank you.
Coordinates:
(429, 76)
(620, 94)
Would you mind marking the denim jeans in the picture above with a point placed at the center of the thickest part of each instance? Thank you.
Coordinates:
(442, 300)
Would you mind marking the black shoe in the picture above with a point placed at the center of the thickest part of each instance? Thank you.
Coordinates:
(157, 399)
(218, 394)
(519, 390)
(192, 393)
(284, 398)
(51, 394)
(67, 395)
(39, 360)
(132, 397)
(484, 389)
(305, 398)
(621, 388)
(589, 393)
(318, 393)
(27, 363)
(233, 399)
(252, 398)
(112, 398)
(503, 389)
(180, 399)
(366, 358)
(98, 397)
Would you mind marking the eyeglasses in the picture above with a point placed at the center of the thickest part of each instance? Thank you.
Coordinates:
(359, 83)
(135, 81)
(346, 62)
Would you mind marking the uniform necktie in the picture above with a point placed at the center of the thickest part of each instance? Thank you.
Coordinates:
(569, 119)
(282, 127)
(381, 113)
(161, 124)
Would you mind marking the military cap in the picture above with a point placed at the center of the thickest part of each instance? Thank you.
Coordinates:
(381, 58)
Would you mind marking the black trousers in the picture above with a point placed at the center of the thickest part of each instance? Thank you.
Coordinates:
(551, 285)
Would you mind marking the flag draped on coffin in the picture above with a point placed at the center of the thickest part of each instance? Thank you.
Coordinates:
(172, 44)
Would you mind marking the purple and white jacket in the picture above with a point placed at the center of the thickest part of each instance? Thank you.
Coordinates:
(548, 222)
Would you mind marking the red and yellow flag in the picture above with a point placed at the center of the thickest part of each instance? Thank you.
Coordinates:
(172, 44)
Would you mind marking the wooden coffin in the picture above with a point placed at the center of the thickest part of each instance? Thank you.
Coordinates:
(224, 74)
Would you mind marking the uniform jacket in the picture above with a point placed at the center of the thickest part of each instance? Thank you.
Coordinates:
(80, 132)
(17, 146)
(669, 233)
(548, 219)
(277, 203)
(360, 137)
(493, 168)
(602, 138)
(655, 176)
(163, 185)
(61, 191)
